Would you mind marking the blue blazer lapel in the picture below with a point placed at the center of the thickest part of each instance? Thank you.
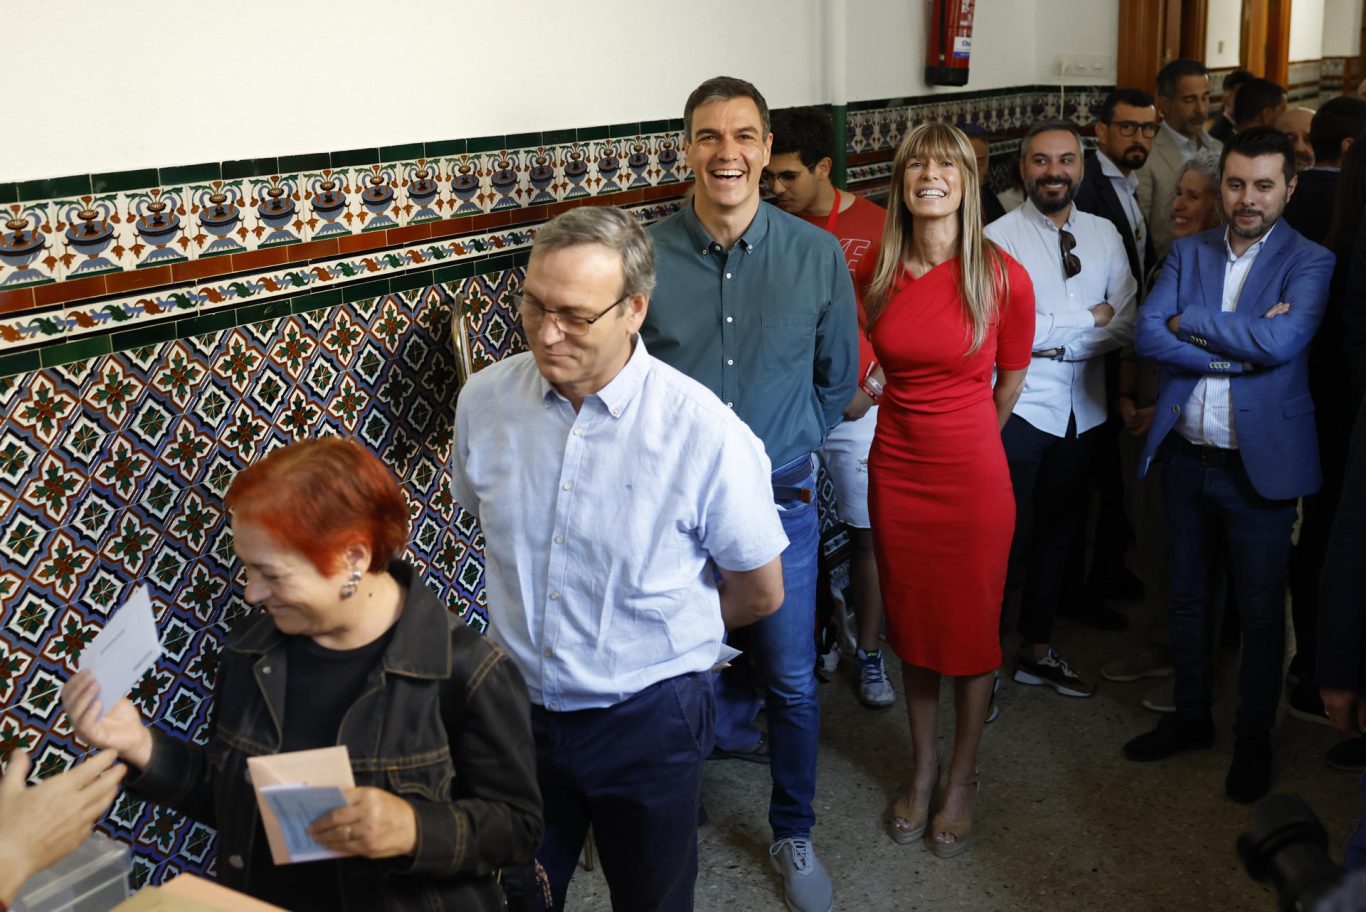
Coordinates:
(1262, 283)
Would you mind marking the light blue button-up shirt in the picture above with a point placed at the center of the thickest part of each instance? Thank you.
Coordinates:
(601, 527)
(1207, 419)
(1056, 390)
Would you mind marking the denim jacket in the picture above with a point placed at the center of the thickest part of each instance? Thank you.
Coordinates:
(443, 722)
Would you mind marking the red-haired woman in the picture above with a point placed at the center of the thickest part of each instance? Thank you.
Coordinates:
(351, 649)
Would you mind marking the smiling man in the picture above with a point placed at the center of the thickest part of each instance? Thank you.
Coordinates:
(1084, 298)
(1183, 101)
(758, 306)
(625, 525)
(1230, 321)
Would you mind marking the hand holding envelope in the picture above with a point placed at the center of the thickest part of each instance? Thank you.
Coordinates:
(312, 810)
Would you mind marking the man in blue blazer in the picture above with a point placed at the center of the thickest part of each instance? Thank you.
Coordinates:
(1230, 320)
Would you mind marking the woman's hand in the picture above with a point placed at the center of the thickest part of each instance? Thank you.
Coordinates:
(374, 824)
(121, 729)
(42, 823)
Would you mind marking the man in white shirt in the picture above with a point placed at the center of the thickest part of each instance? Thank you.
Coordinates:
(1084, 298)
(1183, 101)
(628, 519)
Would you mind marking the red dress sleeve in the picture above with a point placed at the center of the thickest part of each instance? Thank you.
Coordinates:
(1015, 339)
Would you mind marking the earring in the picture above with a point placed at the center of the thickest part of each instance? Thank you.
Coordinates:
(352, 584)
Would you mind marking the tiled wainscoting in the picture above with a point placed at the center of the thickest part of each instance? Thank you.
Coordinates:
(161, 329)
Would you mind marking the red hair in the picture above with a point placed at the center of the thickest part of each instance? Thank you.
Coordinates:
(319, 497)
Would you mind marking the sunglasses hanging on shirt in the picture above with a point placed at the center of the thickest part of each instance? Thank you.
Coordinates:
(1071, 263)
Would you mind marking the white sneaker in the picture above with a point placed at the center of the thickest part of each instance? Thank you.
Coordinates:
(874, 690)
(806, 885)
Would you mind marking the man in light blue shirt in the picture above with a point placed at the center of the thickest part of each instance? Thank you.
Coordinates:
(626, 522)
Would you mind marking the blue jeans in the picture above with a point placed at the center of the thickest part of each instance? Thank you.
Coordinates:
(633, 771)
(782, 655)
(1208, 501)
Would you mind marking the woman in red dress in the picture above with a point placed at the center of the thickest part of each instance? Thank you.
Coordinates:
(945, 308)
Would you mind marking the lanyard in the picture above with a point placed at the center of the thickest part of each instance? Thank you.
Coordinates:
(834, 213)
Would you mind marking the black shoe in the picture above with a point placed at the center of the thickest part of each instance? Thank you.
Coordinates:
(1305, 703)
(1249, 775)
(1172, 735)
(1095, 614)
(1349, 755)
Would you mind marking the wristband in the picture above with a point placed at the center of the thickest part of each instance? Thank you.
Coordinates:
(872, 387)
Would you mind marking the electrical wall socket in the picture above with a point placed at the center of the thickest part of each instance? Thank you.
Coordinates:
(1083, 65)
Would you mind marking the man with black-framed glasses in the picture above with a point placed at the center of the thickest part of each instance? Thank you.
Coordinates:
(627, 522)
(1084, 298)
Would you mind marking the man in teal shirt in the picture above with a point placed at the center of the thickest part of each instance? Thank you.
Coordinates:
(757, 305)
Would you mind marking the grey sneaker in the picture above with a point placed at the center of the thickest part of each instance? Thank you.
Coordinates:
(806, 885)
(1146, 663)
(874, 690)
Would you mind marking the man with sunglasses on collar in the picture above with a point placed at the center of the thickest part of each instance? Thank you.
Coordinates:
(1084, 295)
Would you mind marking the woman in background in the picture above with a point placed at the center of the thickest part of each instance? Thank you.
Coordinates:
(351, 649)
(946, 309)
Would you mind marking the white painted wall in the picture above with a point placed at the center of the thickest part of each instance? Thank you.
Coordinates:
(1306, 30)
(1341, 27)
(1223, 33)
(1072, 27)
(167, 82)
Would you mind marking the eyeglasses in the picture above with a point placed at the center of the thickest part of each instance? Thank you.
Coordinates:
(1130, 127)
(533, 314)
(1071, 263)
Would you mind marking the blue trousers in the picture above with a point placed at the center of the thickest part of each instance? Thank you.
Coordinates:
(634, 772)
(1208, 502)
(782, 657)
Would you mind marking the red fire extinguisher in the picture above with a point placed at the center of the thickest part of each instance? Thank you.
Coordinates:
(950, 43)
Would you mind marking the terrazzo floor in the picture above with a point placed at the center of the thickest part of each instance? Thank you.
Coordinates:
(1066, 824)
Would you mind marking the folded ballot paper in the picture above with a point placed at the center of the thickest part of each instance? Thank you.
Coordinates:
(292, 791)
(122, 652)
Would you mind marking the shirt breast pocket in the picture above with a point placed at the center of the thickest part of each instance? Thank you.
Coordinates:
(788, 340)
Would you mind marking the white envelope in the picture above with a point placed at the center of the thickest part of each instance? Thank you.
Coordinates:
(324, 766)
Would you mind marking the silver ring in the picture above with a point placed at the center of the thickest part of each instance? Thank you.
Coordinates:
(348, 832)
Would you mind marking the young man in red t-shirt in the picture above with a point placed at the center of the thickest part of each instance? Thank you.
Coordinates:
(798, 174)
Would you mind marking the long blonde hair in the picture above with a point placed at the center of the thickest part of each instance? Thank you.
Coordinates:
(982, 281)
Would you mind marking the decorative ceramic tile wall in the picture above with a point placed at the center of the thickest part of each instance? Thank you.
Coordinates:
(161, 329)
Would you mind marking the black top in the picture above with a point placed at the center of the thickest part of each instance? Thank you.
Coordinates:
(1310, 210)
(322, 684)
(1096, 195)
(991, 206)
(447, 729)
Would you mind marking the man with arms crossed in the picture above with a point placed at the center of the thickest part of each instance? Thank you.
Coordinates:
(758, 307)
(1084, 298)
(1230, 321)
(626, 523)
(799, 176)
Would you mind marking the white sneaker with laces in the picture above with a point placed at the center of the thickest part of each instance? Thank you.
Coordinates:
(806, 885)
